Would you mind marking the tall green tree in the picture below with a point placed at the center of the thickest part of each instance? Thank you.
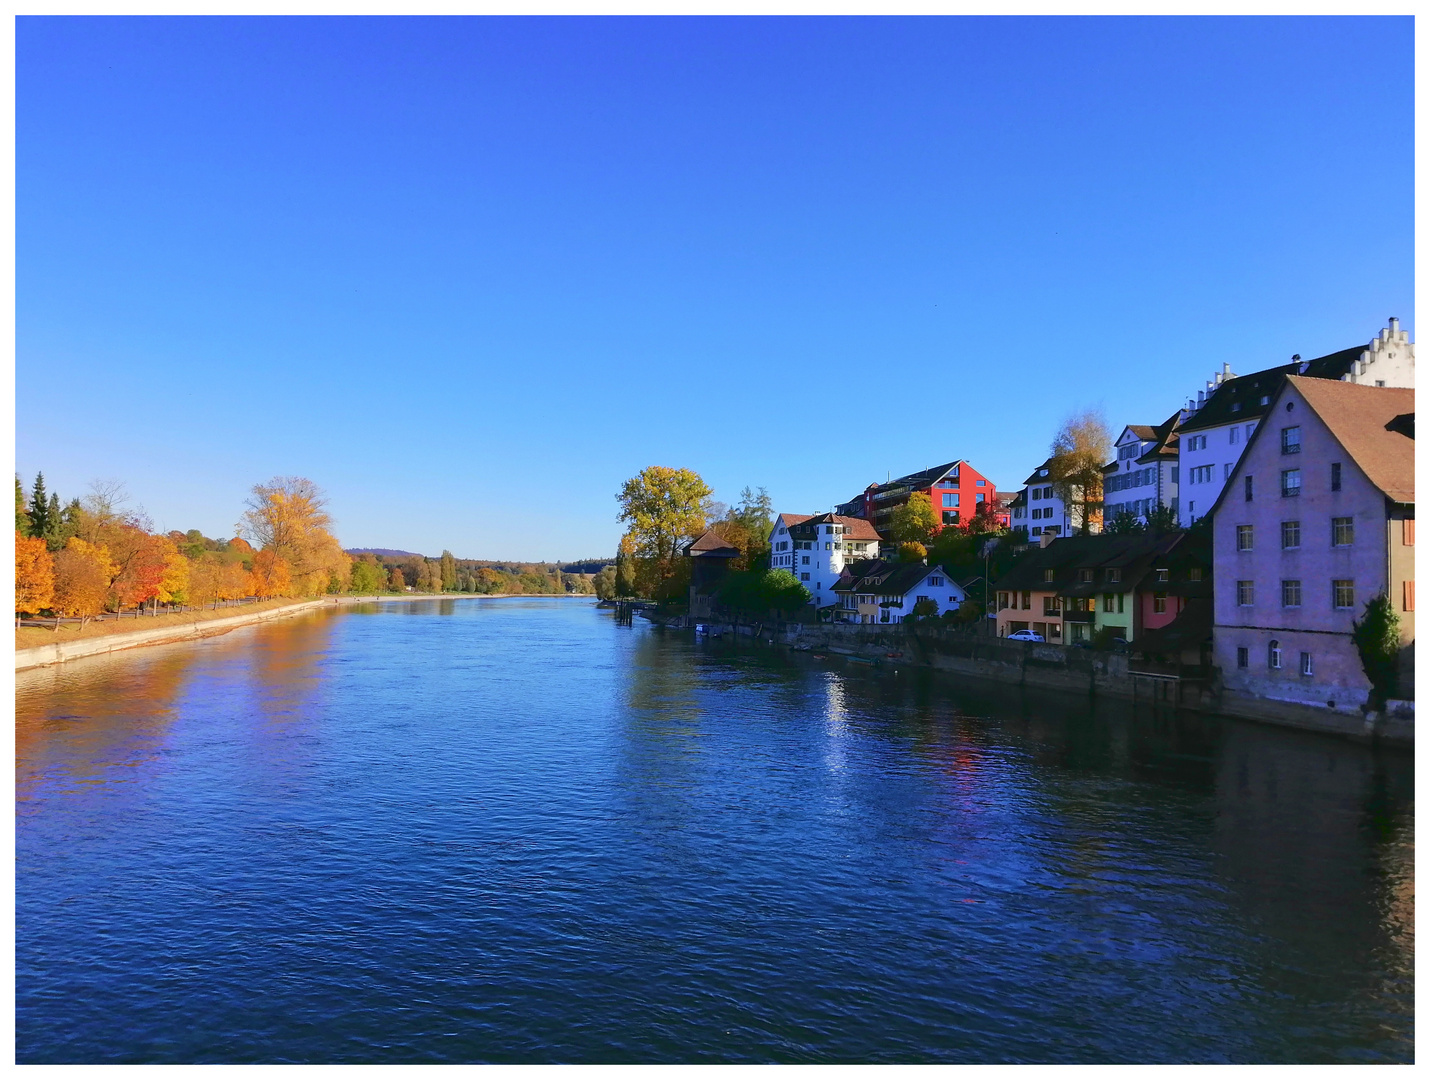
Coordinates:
(1162, 519)
(54, 523)
(39, 508)
(22, 515)
(449, 572)
(625, 583)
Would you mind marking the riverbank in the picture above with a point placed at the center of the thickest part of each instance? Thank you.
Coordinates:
(1083, 672)
(40, 647)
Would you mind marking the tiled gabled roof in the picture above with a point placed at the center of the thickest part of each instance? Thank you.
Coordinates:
(1375, 425)
(711, 544)
(854, 528)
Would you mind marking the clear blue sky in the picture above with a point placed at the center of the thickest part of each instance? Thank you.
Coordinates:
(469, 275)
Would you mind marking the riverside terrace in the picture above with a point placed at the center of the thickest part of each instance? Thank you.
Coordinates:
(1072, 586)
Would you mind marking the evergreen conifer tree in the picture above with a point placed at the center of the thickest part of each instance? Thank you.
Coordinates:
(39, 508)
(53, 522)
(449, 572)
(22, 516)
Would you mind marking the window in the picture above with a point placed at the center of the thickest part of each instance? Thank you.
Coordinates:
(803, 577)
(1202, 474)
(1113, 574)
(1084, 575)
(1335, 476)
(1343, 593)
(1050, 605)
(1290, 594)
(1343, 531)
(982, 483)
(1002, 601)
(1265, 399)
(1245, 593)
(1119, 602)
(1194, 573)
(1243, 654)
(1273, 655)
(1107, 601)
(1290, 534)
(1159, 603)
(1027, 600)
(1243, 538)
(826, 545)
(1163, 575)
(950, 498)
(1226, 470)
(978, 496)
(805, 559)
(1246, 483)
(1249, 429)
(950, 517)
(1233, 436)
(1291, 439)
(1306, 664)
(1290, 483)
(935, 582)
(1048, 574)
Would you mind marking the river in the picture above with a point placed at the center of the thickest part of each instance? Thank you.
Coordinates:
(511, 831)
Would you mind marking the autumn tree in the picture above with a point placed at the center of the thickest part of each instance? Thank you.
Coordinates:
(271, 575)
(83, 572)
(174, 580)
(398, 583)
(662, 508)
(34, 575)
(449, 572)
(288, 517)
(912, 551)
(914, 521)
(1079, 451)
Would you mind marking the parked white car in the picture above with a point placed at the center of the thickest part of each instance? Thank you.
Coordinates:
(1024, 635)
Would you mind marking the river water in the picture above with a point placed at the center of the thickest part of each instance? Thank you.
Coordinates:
(509, 830)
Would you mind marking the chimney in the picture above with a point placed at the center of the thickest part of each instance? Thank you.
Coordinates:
(1394, 328)
(1226, 370)
(1201, 398)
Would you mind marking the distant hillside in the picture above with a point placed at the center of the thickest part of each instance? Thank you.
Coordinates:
(391, 553)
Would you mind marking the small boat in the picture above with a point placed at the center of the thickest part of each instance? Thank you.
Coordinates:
(818, 655)
(865, 661)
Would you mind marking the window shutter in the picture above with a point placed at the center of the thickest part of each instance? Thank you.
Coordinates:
(1409, 595)
(1407, 532)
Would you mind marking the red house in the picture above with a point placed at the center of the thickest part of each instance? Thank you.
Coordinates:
(956, 491)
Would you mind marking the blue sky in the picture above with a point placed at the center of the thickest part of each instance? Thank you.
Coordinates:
(469, 275)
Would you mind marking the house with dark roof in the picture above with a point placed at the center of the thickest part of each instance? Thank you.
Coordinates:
(1144, 473)
(1040, 510)
(710, 555)
(1074, 586)
(886, 592)
(956, 490)
(816, 548)
(1216, 427)
(1317, 519)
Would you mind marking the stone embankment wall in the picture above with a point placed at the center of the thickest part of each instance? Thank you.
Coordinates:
(1063, 669)
(61, 651)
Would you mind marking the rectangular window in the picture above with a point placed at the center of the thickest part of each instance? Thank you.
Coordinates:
(1243, 538)
(1306, 664)
(1290, 534)
(1343, 593)
(1107, 604)
(1234, 436)
(1084, 575)
(1159, 603)
(1249, 429)
(1245, 593)
(1246, 482)
(1343, 531)
(1335, 476)
(1048, 574)
(1164, 575)
(803, 577)
(1226, 471)
(935, 582)
(1027, 600)
(1050, 605)
(950, 498)
(1407, 532)
(978, 496)
(982, 483)
(1290, 594)
(1243, 655)
(1290, 483)
(1002, 601)
(1408, 598)
(1194, 573)
(1291, 439)
(806, 559)
(1113, 574)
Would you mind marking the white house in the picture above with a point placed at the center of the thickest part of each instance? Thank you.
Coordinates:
(817, 548)
(885, 592)
(1145, 472)
(1038, 508)
(1216, 427)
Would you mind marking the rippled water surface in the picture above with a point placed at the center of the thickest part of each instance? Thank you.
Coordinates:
(494, 830)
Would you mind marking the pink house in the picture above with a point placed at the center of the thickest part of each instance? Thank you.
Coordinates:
(1316, 519)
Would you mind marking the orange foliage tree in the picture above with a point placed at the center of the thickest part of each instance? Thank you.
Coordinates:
(271, 575)
(287, 516)
(34, 574)
(83, 572)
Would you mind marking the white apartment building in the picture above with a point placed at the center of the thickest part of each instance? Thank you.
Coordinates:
(1215, 428)
(817, 548)
(1145, 471)
(1038, 508)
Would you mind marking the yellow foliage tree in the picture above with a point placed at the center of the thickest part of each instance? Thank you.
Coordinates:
(271, 575)
(83, 572)
(174, 581)
(287, 516)
(34, 574)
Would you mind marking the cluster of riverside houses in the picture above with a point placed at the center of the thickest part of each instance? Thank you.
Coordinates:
(1306, 471)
